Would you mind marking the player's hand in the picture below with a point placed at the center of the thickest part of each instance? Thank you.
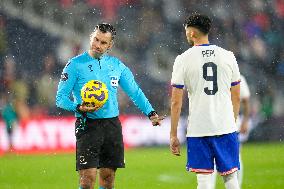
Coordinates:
(175, 146)
(156, 119)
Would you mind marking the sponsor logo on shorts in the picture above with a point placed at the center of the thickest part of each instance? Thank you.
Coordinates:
(82, 160)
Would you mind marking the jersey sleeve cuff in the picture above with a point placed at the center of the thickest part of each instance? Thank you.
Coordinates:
(235, 83)
(178, 86)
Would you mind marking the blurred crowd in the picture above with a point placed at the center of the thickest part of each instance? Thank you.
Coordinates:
(150, 36)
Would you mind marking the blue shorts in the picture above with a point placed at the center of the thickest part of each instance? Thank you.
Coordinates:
(201, 152)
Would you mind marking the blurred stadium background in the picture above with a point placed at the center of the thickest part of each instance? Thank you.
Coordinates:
(37, 37)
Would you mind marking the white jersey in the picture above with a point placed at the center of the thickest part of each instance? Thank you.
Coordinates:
(208, 72)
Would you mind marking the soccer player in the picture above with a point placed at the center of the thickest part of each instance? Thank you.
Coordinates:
(10, 118)
(211, 76)
(243, 126)
(99, 142)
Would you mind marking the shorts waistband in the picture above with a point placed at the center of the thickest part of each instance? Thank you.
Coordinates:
(99, 119)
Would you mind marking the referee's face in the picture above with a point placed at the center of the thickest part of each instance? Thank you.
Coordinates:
(99, 43)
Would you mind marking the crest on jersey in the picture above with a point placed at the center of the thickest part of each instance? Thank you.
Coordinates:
(114, 81)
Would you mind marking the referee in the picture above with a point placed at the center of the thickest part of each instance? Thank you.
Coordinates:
(99, 141)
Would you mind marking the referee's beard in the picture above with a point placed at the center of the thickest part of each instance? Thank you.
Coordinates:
(95, 54)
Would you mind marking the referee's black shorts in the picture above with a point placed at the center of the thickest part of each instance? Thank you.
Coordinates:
(99, 144)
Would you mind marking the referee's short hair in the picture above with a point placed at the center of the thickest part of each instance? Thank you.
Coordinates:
(199, 21)
(105, 27)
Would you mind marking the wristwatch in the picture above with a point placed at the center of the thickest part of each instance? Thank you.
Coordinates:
(78, 109)
(152, 113)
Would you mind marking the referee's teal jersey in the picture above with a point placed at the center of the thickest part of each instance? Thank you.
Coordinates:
(108, 69)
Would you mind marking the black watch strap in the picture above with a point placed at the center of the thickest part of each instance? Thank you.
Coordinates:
(84, 114)
(152, 113)
(78, 109)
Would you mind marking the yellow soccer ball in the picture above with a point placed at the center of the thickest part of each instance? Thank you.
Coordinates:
(94, 93)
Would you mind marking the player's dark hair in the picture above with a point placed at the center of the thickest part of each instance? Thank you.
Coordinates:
(199, 21)
(105, 27)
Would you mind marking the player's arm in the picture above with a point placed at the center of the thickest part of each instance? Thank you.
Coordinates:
(131, 88)
(176, 104)
(245, 103)
(235, 87)
(235, 97)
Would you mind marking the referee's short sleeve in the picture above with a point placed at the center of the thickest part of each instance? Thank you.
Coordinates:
(178, 73)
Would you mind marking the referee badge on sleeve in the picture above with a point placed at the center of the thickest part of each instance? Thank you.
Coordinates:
(64, 76)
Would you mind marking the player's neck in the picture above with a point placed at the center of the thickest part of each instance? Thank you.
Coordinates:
(201, 41)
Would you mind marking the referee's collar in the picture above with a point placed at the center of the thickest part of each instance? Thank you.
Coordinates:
(100, 58)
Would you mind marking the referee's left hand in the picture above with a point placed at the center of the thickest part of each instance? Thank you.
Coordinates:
(156, 119)
(84, 108)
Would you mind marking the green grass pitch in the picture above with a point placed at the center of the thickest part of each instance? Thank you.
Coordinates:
(149, 168)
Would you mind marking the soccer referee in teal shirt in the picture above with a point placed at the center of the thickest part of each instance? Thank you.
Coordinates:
(99, 142)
